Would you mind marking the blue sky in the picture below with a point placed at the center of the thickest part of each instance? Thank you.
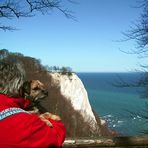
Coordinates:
(86, 45)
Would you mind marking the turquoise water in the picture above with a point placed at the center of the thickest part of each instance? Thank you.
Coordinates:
(122, 108)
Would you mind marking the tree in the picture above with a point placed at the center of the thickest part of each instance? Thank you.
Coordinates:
(139, 34)
(10, 9)
(66, 71)
(139, 31)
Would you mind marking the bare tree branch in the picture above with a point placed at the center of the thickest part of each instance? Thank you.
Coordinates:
(11, 9)
(5, 28)
(138, 32)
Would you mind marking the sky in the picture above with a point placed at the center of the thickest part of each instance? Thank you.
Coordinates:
(88, 44)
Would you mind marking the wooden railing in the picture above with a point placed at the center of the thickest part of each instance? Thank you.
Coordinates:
(141, 141)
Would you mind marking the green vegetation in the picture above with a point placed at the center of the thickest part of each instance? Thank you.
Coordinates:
(63, 70)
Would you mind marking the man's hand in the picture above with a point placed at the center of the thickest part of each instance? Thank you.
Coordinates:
(46, 116)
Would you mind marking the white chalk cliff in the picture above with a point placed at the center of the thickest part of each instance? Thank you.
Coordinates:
(72, 88)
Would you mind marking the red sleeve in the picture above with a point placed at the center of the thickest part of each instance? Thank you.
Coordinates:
(44, 136)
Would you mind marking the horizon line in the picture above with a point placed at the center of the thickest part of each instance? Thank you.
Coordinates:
(109, 72)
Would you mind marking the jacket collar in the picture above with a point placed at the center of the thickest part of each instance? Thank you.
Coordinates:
(6, 102)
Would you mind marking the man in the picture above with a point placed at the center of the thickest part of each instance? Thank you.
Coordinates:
(19, 128)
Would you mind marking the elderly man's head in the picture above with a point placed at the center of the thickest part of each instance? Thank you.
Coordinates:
(12, 76)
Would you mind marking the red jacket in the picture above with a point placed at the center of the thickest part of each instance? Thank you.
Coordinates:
(25, 130)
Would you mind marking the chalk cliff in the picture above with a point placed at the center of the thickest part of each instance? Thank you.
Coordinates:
(72, 88)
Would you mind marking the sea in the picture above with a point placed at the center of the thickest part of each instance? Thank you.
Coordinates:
(123, 108)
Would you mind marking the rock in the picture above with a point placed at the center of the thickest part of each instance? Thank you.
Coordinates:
(72, 88)
(103, 122)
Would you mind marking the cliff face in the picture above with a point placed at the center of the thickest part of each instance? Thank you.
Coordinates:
(72, 88)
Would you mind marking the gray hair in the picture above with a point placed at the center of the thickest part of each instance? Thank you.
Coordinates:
(12, 76)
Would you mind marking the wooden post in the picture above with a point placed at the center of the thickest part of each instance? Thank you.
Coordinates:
(106, 142)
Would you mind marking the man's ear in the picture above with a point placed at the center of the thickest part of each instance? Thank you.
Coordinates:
(25, 89)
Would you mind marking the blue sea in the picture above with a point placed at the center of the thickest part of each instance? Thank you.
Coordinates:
(122, 108)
